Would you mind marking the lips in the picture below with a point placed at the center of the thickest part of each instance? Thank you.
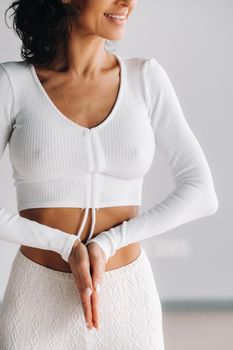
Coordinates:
(119, 17)
(117, 13)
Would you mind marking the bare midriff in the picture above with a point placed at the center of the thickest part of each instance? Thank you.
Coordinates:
(69, 221)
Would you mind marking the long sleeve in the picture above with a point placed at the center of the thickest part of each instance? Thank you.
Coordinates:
(13, 227)
(194, 194)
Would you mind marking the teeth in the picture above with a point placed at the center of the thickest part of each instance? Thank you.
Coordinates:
(115, 16)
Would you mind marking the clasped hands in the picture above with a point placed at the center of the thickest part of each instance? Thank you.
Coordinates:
(87, 263)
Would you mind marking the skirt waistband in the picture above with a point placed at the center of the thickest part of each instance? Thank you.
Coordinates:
(21, 259)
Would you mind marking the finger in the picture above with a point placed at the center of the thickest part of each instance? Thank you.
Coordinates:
(95, 301)
(98, 270)
(86, 288)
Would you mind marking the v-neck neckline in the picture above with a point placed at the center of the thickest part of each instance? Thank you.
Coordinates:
(67, 119)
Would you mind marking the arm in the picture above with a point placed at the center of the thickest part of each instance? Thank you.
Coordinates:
(13, 227)
(194, 194)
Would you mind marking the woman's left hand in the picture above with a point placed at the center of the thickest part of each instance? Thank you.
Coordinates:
(97, 260)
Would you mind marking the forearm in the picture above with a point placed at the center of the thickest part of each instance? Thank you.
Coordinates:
(19, 230)
(182, 205)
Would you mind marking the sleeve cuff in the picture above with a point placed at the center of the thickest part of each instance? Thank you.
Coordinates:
(68, 247)
(101, 245)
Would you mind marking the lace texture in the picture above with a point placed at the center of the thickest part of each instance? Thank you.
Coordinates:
(42, 310)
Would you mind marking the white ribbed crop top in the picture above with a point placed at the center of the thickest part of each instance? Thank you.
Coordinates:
(59, 163)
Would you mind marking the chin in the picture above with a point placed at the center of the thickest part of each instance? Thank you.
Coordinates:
(115, 37)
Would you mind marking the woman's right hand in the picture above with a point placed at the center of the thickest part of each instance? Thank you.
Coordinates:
(80, 267)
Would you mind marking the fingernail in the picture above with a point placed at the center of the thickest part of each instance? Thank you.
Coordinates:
(88, 291)
(88, 326)
(97, 287)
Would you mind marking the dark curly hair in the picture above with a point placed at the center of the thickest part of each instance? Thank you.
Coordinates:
(44, 27)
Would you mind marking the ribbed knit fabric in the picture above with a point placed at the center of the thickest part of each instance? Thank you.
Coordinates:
(42, 310)
(194, 195)
(59, 163)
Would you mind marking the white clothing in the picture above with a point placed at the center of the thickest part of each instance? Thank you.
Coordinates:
(59, 163)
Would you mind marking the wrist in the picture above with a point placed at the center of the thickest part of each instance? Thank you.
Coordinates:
(104, 254)
(76, 243)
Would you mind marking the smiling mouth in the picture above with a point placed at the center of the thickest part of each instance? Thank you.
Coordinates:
(118, 19)
(115, 15)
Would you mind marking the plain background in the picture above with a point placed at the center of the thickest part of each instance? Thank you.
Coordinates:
(191, 40)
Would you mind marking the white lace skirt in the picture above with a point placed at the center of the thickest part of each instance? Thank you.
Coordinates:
(42, 310)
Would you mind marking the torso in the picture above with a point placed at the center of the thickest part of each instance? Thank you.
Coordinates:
(87, 112)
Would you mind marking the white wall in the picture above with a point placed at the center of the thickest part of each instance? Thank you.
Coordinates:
(191, 39)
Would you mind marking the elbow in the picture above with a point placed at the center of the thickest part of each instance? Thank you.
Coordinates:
(207, 199)
(213, 206)
(210, 203)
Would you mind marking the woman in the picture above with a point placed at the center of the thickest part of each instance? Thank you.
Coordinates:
(83, 126)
